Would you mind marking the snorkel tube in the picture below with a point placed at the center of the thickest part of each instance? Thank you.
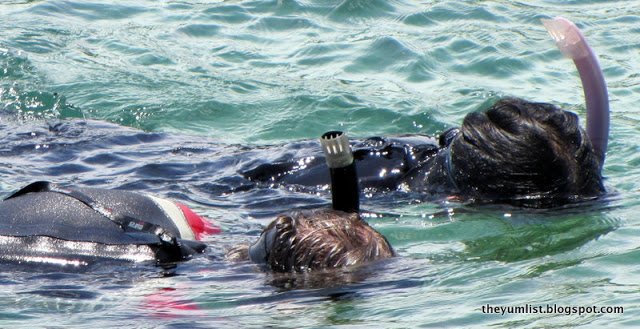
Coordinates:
(572, 44)
(345, 193)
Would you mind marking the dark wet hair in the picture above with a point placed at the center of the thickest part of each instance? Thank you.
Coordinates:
(319, 239)
(531, 154)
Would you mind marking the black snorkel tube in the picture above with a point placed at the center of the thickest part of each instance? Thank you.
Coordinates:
(345, 192)
(573, 44)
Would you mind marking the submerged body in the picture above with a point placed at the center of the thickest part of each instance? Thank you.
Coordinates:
(47, 224)
(519, 152)
(320, 239)
(382, 163)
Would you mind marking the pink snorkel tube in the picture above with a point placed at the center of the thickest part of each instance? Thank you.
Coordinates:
(573, 45)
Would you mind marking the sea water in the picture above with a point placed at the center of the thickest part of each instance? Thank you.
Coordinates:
(160, 97)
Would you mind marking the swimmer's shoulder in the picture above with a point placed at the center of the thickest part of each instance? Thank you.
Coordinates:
(412, 140)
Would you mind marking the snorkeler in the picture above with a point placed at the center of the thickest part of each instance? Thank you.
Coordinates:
(306, 240)
(518, 152)
(44, 223)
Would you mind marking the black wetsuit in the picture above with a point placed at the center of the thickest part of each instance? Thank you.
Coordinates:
(45, 223)
(412, 163)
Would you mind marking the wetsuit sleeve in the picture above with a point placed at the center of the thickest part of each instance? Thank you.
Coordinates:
(381, 163)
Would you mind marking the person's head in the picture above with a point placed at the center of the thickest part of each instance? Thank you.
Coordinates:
(318, 239)
(524, 153)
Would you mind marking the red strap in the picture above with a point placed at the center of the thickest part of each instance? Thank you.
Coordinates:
(199, 225)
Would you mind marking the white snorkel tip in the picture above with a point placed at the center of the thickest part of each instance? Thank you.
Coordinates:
(567, 36)
(335, 145)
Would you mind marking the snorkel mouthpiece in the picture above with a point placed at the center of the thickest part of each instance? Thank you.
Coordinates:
(345, 193)
(573, 44)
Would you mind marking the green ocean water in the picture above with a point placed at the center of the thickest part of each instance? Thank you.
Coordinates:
(245, 73)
